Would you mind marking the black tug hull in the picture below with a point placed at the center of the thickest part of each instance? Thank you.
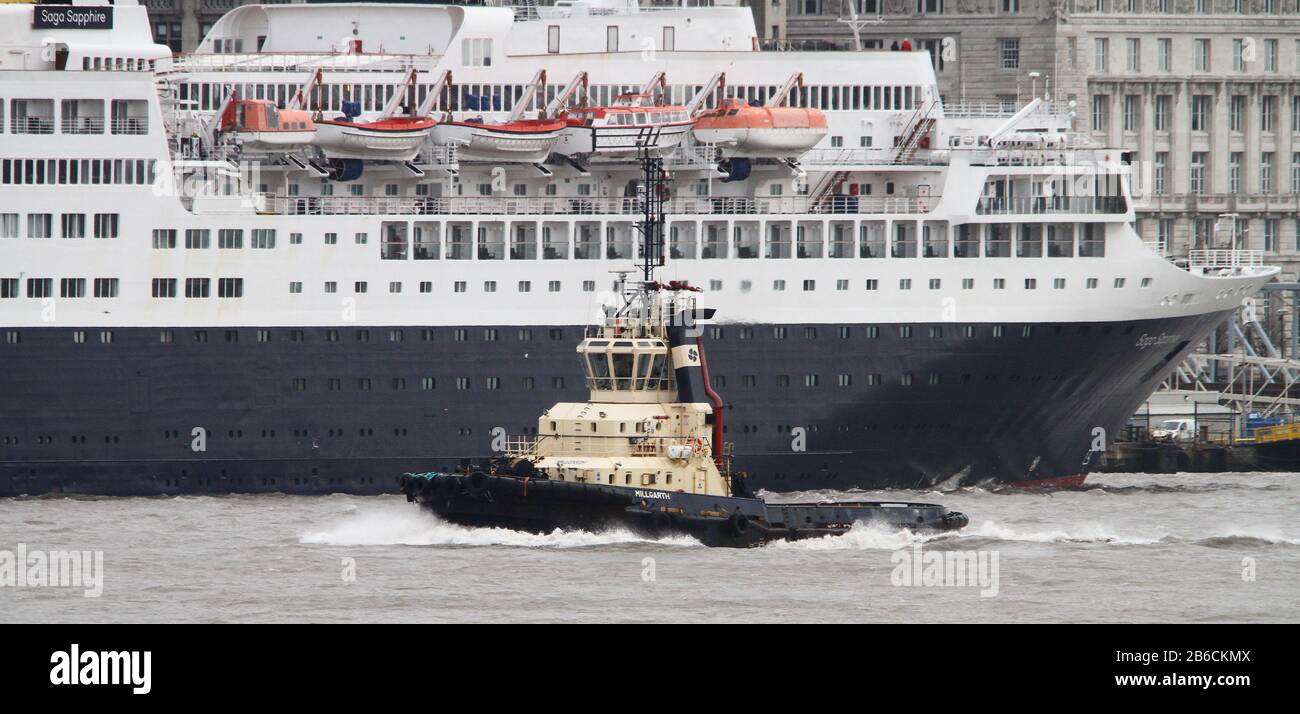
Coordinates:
(542, 506)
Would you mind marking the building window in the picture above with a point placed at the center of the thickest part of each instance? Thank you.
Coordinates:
(1197, 175)
(1267, 112)
(1234, 172)
(1100, 112)
(1133, 54)
(1200, 112)
(1161, 119)
(1101, 47)
(1009, 53)
(1237, 112)
(1164, 54)
(1266, 172)
(1160, 173)
(1131, 112)
(1201, 54)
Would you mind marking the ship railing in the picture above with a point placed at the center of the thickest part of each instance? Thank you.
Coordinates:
(994, 109)
(130, 125)
(31, 125)
(1218, 259)
(528, 10)
(1038, 205)
(301, 61)
(588, 445)
(590, 206)
(1084, 158)
(437, 155)
(692, 155)
(1064, 156)
(1159, 247)
(83, 125)
(850, 157)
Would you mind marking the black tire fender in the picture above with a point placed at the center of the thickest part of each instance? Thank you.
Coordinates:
(739, 524)
(476, 484)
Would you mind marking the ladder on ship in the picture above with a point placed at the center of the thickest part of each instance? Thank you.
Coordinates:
(918, 128)
(822, 195)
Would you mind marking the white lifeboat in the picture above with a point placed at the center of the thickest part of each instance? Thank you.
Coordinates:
(392, 139)
(741, 130)
(518, 141)
(631, 124)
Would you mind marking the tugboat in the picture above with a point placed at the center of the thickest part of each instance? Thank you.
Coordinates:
(645, 451)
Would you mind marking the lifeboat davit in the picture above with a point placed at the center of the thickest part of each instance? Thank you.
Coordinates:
(258, 126)
(630, 125)
(739, 129)
(391, 139)
(519, 141)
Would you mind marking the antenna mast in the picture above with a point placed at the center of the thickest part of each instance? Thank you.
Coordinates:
(655, 183)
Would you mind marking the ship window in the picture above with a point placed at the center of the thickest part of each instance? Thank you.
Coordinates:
(230, 287)
(623, 363)
(599, 370)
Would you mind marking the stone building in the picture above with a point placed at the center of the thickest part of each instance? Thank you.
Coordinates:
(1206, 93)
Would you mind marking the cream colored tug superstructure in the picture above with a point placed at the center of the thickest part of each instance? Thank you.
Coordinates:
(636, 430)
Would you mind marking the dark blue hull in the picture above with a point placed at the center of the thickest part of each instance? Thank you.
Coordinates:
(540, 505)
(825, 406)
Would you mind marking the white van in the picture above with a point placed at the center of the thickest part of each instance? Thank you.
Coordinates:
(1175, 430)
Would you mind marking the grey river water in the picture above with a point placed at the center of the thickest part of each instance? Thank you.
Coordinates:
(1183, 548)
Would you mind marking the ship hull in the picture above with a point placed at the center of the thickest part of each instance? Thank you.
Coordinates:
(541, 505)
(825, 406)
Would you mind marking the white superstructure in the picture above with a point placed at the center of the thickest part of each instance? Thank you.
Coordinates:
(906, 210)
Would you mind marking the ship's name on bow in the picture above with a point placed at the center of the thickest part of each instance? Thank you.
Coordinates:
(1164, 338)
(72, 18)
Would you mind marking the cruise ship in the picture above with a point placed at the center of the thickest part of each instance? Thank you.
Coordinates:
(343, 241)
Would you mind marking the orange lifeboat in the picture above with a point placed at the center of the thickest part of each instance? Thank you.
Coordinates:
(741, 130)
(259, 126)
